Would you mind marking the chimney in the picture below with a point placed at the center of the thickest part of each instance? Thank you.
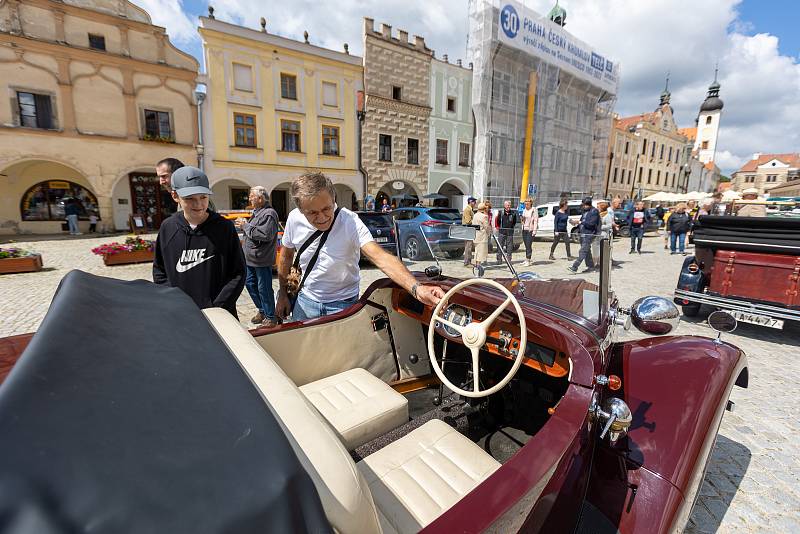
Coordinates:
(444, 58)
(757, 155)
(403, 36)
(347, 49)
(419, 43)
(386, 31)
(263, 25)
(459, 62)
(369, 25)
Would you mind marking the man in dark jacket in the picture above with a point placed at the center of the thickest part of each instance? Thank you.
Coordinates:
(506, 221)
(678, 225)
(588, 228)
(638, 218)
(197, 250)
(71, 212)
(260, 238)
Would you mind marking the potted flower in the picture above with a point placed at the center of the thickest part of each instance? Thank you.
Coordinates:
(17, 260)
(133, 250)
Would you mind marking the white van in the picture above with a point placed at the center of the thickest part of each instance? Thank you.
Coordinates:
(547, 218)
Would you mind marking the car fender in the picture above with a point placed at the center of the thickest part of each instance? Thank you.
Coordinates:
(689, 281)
(677, 389)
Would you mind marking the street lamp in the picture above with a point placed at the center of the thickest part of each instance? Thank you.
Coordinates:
(200, 96)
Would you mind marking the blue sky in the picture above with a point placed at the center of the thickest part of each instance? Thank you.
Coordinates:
(777, 17)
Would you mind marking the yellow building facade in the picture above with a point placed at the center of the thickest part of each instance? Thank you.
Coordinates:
(275, 108)
(95, 96)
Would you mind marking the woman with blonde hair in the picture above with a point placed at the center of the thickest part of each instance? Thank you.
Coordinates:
(481, 220)
(530, 223)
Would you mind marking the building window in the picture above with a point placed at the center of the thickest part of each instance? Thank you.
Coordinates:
(45, 201)
(771, 178)
(289, 86)
(384, 147)
(705, 145)
(630, 174)
(627, 145)
(708, 119)
(157, 126)
(290, 136)
(329, 94)
(653, 149)
(97, 42)
(330, 140)
(640, 174)
(451, 105)
(669, 158)
(661, 155)
(650, 176)
(463, 154)
(615, 175)
(644, 147)
(441, 151)
(658, 178)
(35, 111)
(242, 77)
(673, 179)
(245, 129)
(412, 151)
(397, 92)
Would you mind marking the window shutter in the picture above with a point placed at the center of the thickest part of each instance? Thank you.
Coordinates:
(44, 111)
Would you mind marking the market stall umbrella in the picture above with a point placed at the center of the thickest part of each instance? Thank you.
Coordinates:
(661, 196)
(435, 196)
(404, 197)
(696, 195)
(730, 194)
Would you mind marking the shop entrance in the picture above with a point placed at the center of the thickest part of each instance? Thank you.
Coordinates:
(150, 200)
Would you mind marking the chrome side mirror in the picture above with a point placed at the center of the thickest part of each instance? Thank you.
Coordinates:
(616, 417)
(655, 315)
(722, 321)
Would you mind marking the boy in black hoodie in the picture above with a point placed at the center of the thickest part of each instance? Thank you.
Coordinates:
(197, 249)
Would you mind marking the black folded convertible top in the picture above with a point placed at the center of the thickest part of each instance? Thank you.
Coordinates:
(775, 235)
(128, 414)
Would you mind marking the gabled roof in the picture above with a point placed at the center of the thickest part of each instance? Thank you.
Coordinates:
(689, 133)
(626, 122)
(790, 159)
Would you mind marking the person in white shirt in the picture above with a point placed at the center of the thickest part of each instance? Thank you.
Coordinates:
(530, 223)
(332, 284)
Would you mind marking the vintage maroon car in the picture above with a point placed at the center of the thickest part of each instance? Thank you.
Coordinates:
(748, 266)
(509, 407)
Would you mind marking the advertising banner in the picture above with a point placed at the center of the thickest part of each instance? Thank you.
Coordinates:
(530, 32)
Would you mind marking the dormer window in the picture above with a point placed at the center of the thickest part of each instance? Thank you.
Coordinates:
(97, 42)
(397, 92)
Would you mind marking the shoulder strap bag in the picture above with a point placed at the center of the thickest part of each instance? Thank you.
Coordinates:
(296, 278)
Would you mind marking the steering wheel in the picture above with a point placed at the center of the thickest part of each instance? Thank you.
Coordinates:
(474, 336)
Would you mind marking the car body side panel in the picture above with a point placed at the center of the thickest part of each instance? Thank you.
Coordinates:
(503, 502)
(677, 389)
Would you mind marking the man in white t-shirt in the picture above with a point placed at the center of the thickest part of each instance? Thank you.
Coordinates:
(333, 282)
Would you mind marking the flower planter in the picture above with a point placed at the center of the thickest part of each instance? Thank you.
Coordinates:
(25, 264)
(124, 257)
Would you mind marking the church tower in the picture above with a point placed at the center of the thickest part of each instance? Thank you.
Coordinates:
(705, 144)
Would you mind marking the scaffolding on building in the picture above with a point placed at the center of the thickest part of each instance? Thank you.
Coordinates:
(567, 154)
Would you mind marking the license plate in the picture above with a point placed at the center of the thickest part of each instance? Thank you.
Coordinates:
(753, 318)
(381, 239)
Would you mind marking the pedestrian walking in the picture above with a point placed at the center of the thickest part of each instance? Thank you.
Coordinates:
(667, 215)
(197, 249)
(483, 230)
(466, 220)
(637, 220)
(530, 223)
(506, 222)
(606, 226)
(260, 240)
(560, 232)
(678, 225)
(71, 212)
(588, 229)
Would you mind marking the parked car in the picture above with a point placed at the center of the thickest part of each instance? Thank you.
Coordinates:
(418, 224)
(330, 424)
(381, 226)
(547, 214)
(746, 265)
(621, 219)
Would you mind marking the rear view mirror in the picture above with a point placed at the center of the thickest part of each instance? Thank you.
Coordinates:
(465, 233)
(722, 321)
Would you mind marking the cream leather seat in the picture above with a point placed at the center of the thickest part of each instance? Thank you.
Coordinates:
(415, 479)
(444, 464)
(358, 405)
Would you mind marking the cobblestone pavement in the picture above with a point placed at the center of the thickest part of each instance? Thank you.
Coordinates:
(753, 479)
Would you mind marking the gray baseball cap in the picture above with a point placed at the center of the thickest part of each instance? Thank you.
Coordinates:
(188, 181)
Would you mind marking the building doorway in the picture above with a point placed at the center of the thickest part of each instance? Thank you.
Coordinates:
(280, 202)
(150, 200)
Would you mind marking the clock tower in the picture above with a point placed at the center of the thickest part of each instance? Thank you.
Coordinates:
(708, 119)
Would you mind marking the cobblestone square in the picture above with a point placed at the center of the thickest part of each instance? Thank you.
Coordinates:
(753, 479)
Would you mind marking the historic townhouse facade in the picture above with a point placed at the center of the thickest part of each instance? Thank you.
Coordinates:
(95, 97)
(395, 132)
(452, 130)
(768, 171)
(275, 108)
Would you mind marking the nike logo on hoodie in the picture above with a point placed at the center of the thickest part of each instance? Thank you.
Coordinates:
(190, 259)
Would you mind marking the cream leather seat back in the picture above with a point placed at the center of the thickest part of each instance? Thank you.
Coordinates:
(343, 491)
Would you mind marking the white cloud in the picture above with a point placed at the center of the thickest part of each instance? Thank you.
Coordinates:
(170, 14)
(760, 87)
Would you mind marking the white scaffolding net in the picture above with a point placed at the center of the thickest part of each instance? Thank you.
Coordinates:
(575, 93)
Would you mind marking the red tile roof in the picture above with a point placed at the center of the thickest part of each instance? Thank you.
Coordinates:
(724, 186)
(791, 159)
(689, 133)
(623, 123)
